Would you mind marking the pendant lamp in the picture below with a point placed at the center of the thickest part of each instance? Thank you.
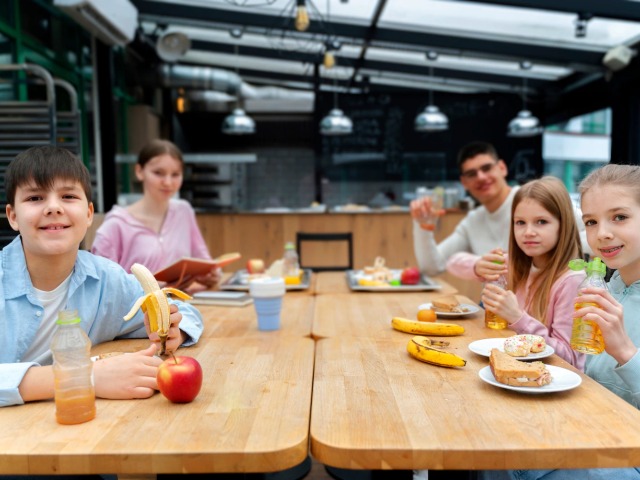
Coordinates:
(336, 122)
(431, 119)
(524, 124)
(238, 122)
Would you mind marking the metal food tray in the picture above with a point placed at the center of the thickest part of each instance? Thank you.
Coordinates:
(426, 283)
(238, 281)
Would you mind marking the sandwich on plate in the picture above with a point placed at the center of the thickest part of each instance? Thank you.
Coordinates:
(447, 304)
(510, 371)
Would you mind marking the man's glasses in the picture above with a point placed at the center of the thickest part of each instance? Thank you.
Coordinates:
(473, 173)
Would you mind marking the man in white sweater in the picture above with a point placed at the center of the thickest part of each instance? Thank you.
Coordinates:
(484, 175)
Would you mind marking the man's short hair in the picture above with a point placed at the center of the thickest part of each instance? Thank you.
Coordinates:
(43, 165)
(472, 149)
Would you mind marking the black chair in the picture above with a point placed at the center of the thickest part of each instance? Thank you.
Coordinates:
(302, 237)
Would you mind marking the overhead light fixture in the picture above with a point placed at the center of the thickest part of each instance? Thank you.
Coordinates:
(336, 122)
(302, 16)
(431, 119)
(524, 124)
(172, 46)
(238, 122)
(581, 24)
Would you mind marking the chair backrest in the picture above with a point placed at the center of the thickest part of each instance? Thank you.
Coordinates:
(325, 248)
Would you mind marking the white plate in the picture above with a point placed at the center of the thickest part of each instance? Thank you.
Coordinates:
(483, 347)
(471, 309)
(562, 379)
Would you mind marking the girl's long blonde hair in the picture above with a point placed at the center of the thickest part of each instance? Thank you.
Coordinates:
(552, 195)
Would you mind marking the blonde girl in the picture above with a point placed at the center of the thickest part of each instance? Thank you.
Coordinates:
(541, 289)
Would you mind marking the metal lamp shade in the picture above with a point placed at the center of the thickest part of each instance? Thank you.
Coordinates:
(431, 120)
(524, 125)
(336, 123)
(238, 123)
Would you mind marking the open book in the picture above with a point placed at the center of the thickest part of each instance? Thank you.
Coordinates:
(182, 272)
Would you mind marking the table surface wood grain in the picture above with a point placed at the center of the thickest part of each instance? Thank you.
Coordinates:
(252, 415)
(375, 407)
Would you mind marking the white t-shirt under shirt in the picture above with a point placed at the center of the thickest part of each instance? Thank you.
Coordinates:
(54, 301)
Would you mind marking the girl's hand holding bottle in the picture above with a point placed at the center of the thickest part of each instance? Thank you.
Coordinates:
(609, 316)
(491, 265)
(501, 302)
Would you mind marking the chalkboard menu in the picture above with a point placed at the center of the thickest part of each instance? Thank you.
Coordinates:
(385, 146)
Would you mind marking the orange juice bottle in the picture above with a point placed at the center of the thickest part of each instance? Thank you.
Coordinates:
(586, 336)
(75, 396)
(491, 320)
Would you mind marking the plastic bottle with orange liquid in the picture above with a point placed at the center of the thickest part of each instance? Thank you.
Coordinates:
(75, 396)
(586, 336)
(492, 320)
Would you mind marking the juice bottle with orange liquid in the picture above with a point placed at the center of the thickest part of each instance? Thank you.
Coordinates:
(75, 396)
(491, 320)
(586, 336)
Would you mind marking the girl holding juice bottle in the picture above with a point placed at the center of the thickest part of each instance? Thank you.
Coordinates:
(610, 198)
(543, 238)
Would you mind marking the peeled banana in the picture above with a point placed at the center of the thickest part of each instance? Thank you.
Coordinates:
(420, 348)
(154, 303)
(437, 329)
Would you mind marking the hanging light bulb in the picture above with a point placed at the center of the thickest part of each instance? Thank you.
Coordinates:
(302, 16)
(431, 119)
(329, 60)
(524, 124)
(336, 122)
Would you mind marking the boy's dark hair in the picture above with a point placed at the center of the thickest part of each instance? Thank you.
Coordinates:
(156, 148)
(472, 149)
(43, 165)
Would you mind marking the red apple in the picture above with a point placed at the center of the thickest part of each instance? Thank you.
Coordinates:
(179, 379)
(255, 265)
(410, 276)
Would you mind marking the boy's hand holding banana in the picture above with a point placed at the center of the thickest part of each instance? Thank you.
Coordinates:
(161, 319)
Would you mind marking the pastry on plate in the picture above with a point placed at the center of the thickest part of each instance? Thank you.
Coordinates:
(510, 371)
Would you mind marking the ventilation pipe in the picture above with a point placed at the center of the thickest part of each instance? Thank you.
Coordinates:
(182, 76)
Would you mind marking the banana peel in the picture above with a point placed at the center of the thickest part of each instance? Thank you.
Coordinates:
(421, 348)
(436, 329)
(154, 303)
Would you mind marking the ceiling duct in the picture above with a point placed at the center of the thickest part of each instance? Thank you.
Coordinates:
(182, 76)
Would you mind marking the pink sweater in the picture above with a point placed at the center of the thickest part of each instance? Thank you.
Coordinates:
(557, 332)
(125, 240)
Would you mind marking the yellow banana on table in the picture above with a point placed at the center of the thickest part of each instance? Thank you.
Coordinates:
(420, 348)
(437, 329)
(154, 303)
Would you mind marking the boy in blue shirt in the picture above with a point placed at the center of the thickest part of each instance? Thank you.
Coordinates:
(43, 271)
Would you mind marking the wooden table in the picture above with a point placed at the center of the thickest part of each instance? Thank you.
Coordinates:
(252, 415)
(336, 282)
(364, 314)
(375, 407)
(229, 322)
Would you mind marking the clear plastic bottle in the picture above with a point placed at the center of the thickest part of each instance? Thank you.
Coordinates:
(491, 320)
(586, 336)
(290, 264)
(73, 371)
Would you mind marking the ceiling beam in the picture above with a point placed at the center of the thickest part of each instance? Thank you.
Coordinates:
(178, 13)
(613, 9)
(514, 80)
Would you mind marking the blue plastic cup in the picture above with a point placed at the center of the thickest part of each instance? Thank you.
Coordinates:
(267, 296)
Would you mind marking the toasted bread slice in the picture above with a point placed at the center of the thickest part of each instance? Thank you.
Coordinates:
(447, 303)
(510, 371)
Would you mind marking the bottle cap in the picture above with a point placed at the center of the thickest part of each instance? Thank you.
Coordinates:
(577, 264)
(289, 246)
(596, 266)
(68, 321)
